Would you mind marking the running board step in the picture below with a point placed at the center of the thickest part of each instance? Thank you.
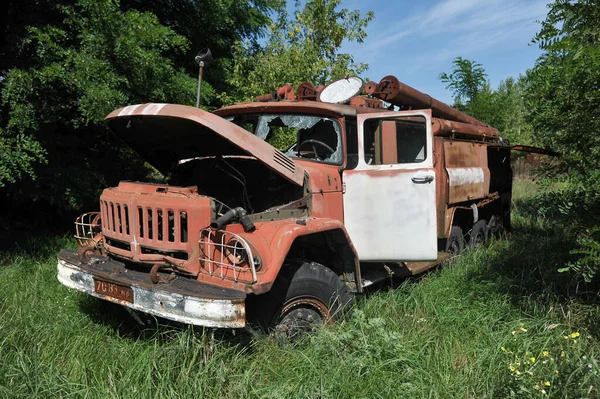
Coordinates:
(420, 267)
(375, 273)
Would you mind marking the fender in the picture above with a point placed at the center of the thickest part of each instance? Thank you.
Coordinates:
(280, 236)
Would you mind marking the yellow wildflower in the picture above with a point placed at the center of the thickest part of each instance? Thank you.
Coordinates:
(512, 368)
(545, 353)
(547, 383)
(532, 359)
(503, 349)
(574, 335)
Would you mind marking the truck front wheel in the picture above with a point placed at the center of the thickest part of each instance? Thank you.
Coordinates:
(316, 296)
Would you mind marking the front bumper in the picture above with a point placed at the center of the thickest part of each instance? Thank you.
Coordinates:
(183, 300)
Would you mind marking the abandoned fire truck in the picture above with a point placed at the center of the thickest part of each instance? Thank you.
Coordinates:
(280, 210)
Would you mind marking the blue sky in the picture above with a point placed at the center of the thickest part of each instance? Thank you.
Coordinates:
(417, 40)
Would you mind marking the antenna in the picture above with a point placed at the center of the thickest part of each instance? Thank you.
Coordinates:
(202, 58)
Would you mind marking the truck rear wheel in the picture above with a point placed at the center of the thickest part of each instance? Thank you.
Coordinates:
(456, 241)
(316, 296)
(479, 234)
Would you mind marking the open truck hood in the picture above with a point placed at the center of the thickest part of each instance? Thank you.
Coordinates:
(164, 134)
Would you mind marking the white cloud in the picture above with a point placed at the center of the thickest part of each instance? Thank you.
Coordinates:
(478, 17)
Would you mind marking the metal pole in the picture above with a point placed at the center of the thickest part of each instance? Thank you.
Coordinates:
(201, 63)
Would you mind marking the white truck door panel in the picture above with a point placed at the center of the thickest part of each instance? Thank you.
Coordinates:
(390, 197)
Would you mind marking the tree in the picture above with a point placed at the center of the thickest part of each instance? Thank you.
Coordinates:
(563, 94)
(467, 80)
(511, 112)
(65, 65)
(303, 48)
(564, 86)
(96, 60)
(217, 24)
(503, 108)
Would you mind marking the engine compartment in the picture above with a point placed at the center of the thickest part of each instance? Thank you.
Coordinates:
(236, 181)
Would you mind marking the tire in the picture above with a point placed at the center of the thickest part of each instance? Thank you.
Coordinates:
(455, 243)
(496, 227)
(479, 234)
(316, 296)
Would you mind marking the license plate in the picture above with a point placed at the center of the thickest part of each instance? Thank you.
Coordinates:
(113, 290)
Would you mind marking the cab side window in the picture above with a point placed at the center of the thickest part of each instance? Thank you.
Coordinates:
(393, 141)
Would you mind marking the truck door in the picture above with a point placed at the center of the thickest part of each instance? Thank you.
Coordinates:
(390, 196)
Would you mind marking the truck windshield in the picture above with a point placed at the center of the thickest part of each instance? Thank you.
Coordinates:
(299, 136)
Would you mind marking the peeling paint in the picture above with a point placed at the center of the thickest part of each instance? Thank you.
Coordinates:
(152, 109)
(129, 110)
(169, 305)
(460, 176)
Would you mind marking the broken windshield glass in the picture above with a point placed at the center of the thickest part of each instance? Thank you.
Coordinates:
(302, 136)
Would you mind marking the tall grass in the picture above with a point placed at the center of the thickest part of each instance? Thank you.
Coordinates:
(495, 322)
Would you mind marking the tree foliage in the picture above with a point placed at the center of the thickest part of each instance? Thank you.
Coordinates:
(68, 64)
(563, 94)
(503, 108)
(217, 24)
(467, 80)
(304, 47)
(97, 59)
(564, 86)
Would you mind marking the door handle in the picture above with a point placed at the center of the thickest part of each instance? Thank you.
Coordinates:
(422, 179)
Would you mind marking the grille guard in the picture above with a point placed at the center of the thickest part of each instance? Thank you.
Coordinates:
(85, 228)
(220, 250)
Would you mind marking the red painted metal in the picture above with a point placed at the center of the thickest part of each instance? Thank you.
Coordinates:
(359, 101)
(370, 87)
(467, 156)
(286, 93)
(390, 89)
(282, 93)
(204, 122)
(443, 127)
(266, 97)
(306, 91)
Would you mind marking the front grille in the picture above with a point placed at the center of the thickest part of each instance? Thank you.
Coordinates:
(115, 218)
(159, 224)
(154, 225)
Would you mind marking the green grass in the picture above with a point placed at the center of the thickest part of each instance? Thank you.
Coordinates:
(495, 322)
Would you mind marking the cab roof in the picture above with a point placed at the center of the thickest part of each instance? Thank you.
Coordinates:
(296, 106)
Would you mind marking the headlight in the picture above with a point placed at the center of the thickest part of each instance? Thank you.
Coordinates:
(236, 253)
